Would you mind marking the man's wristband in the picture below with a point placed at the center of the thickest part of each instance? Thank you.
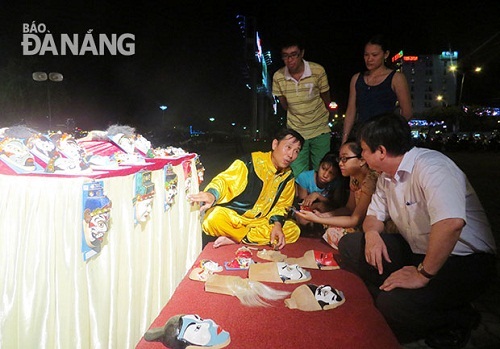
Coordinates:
(422, 271)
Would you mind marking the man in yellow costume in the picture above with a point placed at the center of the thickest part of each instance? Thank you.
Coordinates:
(249, 201)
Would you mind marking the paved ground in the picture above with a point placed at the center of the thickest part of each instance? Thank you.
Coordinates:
(483, 170)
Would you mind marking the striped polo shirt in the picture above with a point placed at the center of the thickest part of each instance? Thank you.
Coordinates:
(307, 113)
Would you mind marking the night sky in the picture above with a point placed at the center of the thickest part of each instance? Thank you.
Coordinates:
(189, 55)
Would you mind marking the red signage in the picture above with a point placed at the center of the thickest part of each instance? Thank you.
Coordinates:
(410, 58)
(397, 56)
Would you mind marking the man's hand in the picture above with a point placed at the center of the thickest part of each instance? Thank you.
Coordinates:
(406, 277)
(205, 199)
(375, 250)
(277, 237)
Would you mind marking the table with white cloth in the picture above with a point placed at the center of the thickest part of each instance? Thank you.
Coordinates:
(51, 297)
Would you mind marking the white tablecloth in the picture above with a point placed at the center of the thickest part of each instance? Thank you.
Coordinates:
(52, 298)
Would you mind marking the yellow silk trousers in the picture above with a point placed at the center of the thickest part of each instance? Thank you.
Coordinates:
(221, 221)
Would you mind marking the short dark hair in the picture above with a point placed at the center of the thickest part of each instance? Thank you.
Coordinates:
(282, 133)
(329, 158)
(292, 40)
(388, 129)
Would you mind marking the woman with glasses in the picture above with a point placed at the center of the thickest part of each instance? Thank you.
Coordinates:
(362, 184)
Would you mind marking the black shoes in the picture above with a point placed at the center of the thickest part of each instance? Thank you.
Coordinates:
(453, 337)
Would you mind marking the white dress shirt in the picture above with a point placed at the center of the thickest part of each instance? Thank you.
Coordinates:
(427, 188)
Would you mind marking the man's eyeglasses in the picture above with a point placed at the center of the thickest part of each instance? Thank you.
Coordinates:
(344, 159)
(292, 55)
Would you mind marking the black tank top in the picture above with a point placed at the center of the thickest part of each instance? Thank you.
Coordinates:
(374, 100)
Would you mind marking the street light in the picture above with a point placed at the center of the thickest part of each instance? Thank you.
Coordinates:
(333, 105)
(442, 100)
(475, 70)
(455, 116)
(55, 77)
(163, 108)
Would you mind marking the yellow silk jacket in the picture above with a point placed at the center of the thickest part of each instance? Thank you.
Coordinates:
(253, 188)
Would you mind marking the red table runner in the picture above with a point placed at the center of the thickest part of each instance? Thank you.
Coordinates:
(354, 324)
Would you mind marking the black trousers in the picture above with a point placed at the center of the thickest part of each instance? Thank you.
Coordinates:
(414, 313)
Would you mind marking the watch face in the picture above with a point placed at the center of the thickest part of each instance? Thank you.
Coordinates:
(422, 271)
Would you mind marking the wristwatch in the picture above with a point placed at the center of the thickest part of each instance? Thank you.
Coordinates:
(422, 271)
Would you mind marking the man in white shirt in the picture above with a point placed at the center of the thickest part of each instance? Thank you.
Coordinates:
(424, 278)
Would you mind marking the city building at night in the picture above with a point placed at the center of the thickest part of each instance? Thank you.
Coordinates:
(432, 79)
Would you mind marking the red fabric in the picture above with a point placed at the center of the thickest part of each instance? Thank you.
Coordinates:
(354, 324)
(105, 148)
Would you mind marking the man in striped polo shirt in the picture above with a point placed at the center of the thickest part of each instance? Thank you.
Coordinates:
(303, 91)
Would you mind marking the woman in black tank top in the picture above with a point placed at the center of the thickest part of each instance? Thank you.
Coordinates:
(377, 90)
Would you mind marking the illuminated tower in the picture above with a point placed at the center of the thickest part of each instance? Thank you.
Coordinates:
(256, 62)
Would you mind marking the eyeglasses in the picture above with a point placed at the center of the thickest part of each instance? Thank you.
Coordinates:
(292, 55)
(344, 159)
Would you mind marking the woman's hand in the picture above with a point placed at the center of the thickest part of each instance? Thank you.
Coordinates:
(307, 215)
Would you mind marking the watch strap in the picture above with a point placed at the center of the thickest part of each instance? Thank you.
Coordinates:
(422, 271)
